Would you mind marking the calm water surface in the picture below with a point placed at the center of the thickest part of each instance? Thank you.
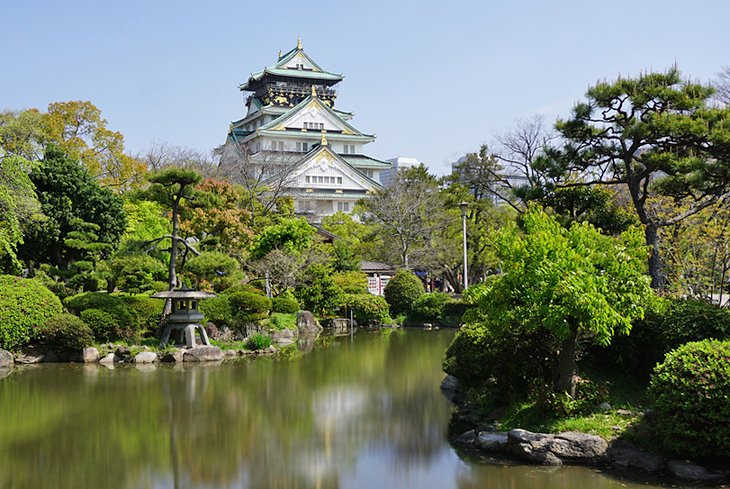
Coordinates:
(360, 414)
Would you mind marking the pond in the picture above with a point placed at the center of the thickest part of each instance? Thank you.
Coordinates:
(362, 413)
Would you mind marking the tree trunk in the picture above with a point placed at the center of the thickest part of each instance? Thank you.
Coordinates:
(658, 280)
(172, 279)
(566, 364)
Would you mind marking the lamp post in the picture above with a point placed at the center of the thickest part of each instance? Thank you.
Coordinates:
(463, 206)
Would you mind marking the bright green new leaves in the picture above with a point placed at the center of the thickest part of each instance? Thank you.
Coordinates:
(563, 279)
(290, 235)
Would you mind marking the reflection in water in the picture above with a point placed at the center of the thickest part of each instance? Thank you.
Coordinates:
(363, 413)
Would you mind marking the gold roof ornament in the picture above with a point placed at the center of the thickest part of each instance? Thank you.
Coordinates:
(324, 138)
(299, 43)
(314, 91)
(280, 53)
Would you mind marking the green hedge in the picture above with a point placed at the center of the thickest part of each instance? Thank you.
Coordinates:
(217, 310)
(510, 360)
(25, 304)
(247, 307)
(691, 394)
(368, 309)
(431, 307)
(132, 316)
(64, 333)
(285, 304)
(402, 291)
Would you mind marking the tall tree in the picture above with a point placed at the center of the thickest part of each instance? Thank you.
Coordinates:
(171, 188)
(571, 282)
(404, 211)
(657, 135)
(70, 198)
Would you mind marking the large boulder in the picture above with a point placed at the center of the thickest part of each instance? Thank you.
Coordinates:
(307, 323)
(174, 356)
(548, 449)
(492, 441)
(452, 391)
(625, 455)
(692, 472)
(6, 359)
(29, 358)
(203, 354)
(89, 355)
(145, 357)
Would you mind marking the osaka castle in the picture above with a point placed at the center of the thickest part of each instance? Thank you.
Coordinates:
(294, 142)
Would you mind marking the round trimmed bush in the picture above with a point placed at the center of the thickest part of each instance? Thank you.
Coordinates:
(64, 333)
(285, 304)
(402, 291)
(368, 309)
(133, 315)
(103, 325)
(146, 312)
(691, 393)
(431, 306)
(217, 310)
(248, 307)
(25, 304)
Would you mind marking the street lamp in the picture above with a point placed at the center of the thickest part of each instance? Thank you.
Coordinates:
(463, 206)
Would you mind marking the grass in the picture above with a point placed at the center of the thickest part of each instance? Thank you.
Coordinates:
(626, 395)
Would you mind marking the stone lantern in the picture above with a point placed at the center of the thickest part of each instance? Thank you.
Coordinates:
(185, 315)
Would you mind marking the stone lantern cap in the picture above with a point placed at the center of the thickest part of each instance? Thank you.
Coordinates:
(183, 293)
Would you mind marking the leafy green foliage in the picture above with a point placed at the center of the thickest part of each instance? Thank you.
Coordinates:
(346, 258)
(289, 235)
(132, 316)
(134, 273)
(24, 304)
(18, 207)
(258, 341)
(431, 306)
(73, 202)
(104, 326)
(217, 310)
(671, 323)
(213, 269)
(402, 291)
(248, 307)
(318, 292)
(64, 333)
(280, 321)
(691, 389)
(352, 282)
(368, 309)
(285, 303)
(567, 282)
(512, 359)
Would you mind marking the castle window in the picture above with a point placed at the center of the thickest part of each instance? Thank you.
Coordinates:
(343, 206)
(339, 180)
(306, 179)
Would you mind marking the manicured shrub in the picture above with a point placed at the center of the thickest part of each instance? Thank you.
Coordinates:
(248, 307)
(24, 304)
(669, 324)
(690, 390)
(258, 342)
(402, 291)
(431, 307)
(103, 325)
(145, 311)
(285, 303)
(133, 315)
(352, 282)
(318, 291)
(244, 288)
(64, 333)
(280, 320)
(368, 309)
(217, 310)
(510, 360)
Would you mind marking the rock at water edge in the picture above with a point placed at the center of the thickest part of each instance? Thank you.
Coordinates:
(203, 354)
(306, 323)
(691, 472)
(492, 441)
(145, 357)
(89, 355)
(6, 359)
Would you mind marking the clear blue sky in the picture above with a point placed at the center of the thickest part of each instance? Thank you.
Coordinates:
(432, 80)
